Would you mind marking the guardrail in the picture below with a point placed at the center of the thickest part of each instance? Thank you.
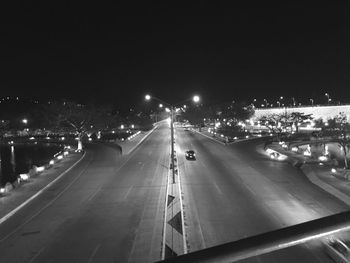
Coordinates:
(268, 242)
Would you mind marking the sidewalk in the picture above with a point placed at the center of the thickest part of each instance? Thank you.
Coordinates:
(320, 173)
(14, 200)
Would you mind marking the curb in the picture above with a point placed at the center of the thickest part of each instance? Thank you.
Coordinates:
(313, 178)
(14, 211)
(236, 141)
(311, 175)
(222, 143)
(174, 234)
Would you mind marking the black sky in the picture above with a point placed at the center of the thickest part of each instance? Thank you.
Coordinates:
(224, 51)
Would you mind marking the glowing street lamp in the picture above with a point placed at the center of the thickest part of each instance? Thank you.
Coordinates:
(25, 121)
(294, 103)
(328, 99)
(312, 102)
(196, 98)
(147, 97)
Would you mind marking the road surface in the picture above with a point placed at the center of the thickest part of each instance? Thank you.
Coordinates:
(232, 192)
(110, 208)
(107, 209)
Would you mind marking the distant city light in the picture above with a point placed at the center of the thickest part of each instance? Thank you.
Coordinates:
(40, 169)
(24, 177)
(323, 158)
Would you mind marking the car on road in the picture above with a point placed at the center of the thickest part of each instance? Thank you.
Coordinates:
(190, 155)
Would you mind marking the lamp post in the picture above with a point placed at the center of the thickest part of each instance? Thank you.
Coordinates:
(293, 99)
(266, 104)
(328, 99)
(196, 99)
(312, 102)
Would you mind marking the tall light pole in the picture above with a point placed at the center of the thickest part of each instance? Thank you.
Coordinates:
(328, 100)
(312, 102)
(293, 99)
(195, 99)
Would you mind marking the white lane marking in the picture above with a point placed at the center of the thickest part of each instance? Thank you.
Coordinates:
(165, 213)
(36, 255)
(14, 211)
(127, 193)
(93, 253)
(217, 187)
(94, 194)
(46, 206)
(222, 143)
(181, 209)
(141, 141)
(196, 217)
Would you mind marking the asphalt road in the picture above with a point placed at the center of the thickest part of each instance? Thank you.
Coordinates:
(108, 208)
(232, 192)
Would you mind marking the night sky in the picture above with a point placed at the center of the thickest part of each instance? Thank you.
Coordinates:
(117, 53)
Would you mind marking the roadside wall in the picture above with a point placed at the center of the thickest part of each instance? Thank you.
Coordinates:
(323, 112)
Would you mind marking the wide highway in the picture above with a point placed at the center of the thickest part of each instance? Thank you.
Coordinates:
(232, 192)
(110, 208)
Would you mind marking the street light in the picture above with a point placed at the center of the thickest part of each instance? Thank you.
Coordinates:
(196, 99)
(293, 99)
(25, 121)
(279, 103)
(312, 102)
(328, 100)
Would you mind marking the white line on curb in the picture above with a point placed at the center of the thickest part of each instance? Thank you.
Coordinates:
(181, 208)
(47, 205)
(209, 137)
(132, 149)
(326, 187)
(165, 214)
(14, 211)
